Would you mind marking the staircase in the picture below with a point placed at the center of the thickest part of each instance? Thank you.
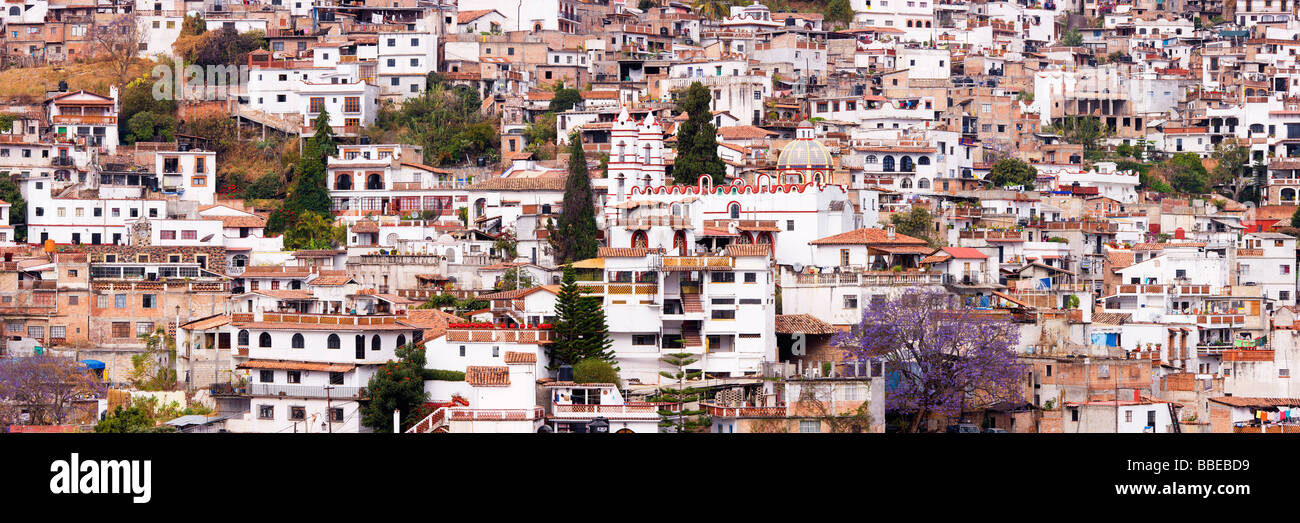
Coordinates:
(1173, 416)
(691, 337)
(691, 303)
(433, 421)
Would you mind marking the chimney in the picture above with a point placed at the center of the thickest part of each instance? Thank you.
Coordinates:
(890, 232)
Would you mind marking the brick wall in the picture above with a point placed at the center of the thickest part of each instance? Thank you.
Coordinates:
(159, 254)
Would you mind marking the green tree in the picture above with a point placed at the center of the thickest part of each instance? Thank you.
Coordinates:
(1295, 218)
(148, 125)
(574, 238)
(1185, 173)
(917, 223)
(1087, 131)
(712, 9)
(1071, 38)
(310, 192)
(134, 419)
(506, 244)
(839, 12)
(398, 385)
(324, 135)
(439, 301)
(647, 4)
(10, 192)
(315, 232)
(266, 187)
(579, 332)
(152, 369)
(683, 419)
(540, 131)
(515, 278)
(1009, 172)
(138, 98)
(1231, 172)
(596, 371)
(697, 139)
(564, 100)
(193, 25)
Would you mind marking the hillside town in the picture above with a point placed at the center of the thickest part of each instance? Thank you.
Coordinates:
(474, 216)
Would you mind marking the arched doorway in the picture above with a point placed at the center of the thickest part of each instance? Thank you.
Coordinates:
(640, 240)
(764, 238)
(624, 430)
(679, 243)
(374, 181)
(343, 182)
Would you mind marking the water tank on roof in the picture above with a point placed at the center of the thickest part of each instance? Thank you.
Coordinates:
(1180, 234)
(565, 373)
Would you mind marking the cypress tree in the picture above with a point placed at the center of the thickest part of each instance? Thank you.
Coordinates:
(309, 193)
(324, 136)
(697, 139)
(566, 332)
(575, 237)
(595, 343)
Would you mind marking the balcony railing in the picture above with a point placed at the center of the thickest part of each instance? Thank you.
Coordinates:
(696, 262)
(307, 391)
(866, 278)
(676, 222)
(745, 412)
(89, 119)
(648, 409)
(464, 414)
(640, 289)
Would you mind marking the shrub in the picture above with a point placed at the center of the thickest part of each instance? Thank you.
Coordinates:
(443, 375)
(592, 370)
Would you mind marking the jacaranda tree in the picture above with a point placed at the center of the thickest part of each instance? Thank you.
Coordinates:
(940, 356)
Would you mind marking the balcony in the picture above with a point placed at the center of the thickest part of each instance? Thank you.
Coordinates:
(463, 414)
(626, 289)
(85, 119)
(1141, 289)
(744, 412)
(338, 392)
(642, 410)
(695, 263)
(676, 222)
(865, 278)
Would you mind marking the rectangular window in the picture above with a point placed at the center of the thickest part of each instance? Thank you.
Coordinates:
(189, 235)
(336, 378)
(722, 277)
(850, 301)
(36, 331)
(297, 413)
(789, 225)
(148, 301)
(143, 328)
(844, 257)
(462, 351)
(267, 376)
(810, 426)
(751, 277)
(121, 329)
(58, 332)
(643, 339)
(101, 301)
(317, 104)
(336, 414)
(352, 104)
(724, 314)
(265, 412)
(119, 301)
(294, 376)
(167, 235)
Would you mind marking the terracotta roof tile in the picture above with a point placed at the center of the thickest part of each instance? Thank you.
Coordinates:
(538, 183)
(296, 365)
(365, 226)
(1242, 401)
(802, 323)
(480, 376)
(751, 249)
(627, 252)
(520, 357)
(744, 132)
(965, 253)
(465, 17)
(867, 236)
(230, 222)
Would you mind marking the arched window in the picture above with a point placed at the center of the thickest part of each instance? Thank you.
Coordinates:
(537, 27)
(745, 238)
(298, 341)
(1288, 194)
(764, 238)
(924, 183)
(333, 342)
(733, 210)
(677, 209)
(401, 340)
(343, 182)
(621, 147)
(14, 11)
(295, 284)
(374, 181)
(639, 239)
(243, 338)
(871, 158)
(480, 206)
(264, 339)
(374, 342)
(240, 260)
(817, 177)
(888, 164)
(679, 242)
(906, 183)
(906, 165)
(924, 160)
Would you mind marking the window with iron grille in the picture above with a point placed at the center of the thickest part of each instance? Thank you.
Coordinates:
(266, 412)
(317, 104)
(297, 413)
(58, 331)
(143, 328)
(121, 329)
(336, 378)
(336, 414)
(35, 331)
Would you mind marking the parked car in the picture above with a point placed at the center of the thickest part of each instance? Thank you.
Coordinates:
(963, 428)
(995, 430)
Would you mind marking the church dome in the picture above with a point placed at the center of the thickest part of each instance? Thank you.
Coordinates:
(804, 153)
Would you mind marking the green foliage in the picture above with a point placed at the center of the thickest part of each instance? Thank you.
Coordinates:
(1071, 301)
(463, 214)
(917, 223)
(314, 232)
(137, 98)
(397, 385)
(515, 278)
(438, 301)
(564, 100)
(268, 186)
(596, 371)
(443, 375)
(309, 193)
(574, 238)
(1124, 150)
(1087, 131)
(1071, 38)
(10, 192)
(838, 11)
(647, 4)
(226, 46)
(446, 121)
(193, 25)
(135, 419)
(580, 331)
(1295, 218)
(323, 136)
(683, 420)
(146, 372)
(1185, 173)
(1025, 96)
(1232, 168)
(1058, 239)
(540, 132)
(1009, 172)
(697, 138)
(218, 129)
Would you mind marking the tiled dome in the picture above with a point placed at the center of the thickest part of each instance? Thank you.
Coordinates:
(804, 154)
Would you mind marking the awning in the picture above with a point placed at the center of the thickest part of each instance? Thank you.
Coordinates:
(590, 263)
(905, 249)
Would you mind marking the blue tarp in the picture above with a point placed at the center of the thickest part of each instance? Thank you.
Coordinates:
(94, 364)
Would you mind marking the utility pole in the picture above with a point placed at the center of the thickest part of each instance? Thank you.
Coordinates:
(329, 419)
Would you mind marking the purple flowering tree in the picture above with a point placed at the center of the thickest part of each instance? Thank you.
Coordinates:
(45, 386)
(939, 355)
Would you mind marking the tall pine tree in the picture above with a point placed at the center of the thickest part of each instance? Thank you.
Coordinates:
(596, 342)
(580, 332)
(697, 139)
(682, 419)
(324, 136)
(575, 237)
(309, 193)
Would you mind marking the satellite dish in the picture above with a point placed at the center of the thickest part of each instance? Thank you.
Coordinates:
(798, 267)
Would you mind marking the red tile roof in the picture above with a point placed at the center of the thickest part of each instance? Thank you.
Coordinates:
(627, 252)
(296, 365)
(868, 236)
(802, 323)
(481, 376)
(520, 357)
(965, 253)
(744, 132)
(752, 249)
